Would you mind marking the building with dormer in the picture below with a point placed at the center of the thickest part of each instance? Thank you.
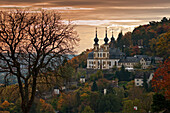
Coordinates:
(105, 56)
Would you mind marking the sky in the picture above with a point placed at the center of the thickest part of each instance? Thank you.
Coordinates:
(116, 15)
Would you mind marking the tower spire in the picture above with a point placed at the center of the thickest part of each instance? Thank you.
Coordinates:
(106, 39)
(112, 43)
(112, 38)
(106, 31)
(112, 32)
(96, 31)
(96, 39)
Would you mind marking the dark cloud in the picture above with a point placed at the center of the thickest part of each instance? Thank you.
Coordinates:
(95, 3)
(20, 1)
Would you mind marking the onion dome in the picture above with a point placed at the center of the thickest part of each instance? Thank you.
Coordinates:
(112, 38)
(96, 39)
(106, 39)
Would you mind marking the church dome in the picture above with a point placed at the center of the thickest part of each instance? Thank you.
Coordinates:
(96, 39)
(106, 39)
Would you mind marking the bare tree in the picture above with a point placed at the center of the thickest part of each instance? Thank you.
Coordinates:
(28, 44)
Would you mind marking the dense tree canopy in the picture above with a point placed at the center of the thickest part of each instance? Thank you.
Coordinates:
(163, 45)
(161, 79)
(123, 75)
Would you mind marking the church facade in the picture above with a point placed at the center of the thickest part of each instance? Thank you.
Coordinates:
(105, 56)
(108, 56)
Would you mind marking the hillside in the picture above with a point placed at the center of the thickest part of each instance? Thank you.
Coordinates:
(144, 39)
(142, 34)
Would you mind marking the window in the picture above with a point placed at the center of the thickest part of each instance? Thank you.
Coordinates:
(137, 80)
(100, 54)
(109, 63)
(137, 84)
(104, 55)
(115, 63)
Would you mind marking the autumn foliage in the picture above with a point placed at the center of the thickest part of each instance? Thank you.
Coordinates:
(161, 79)
(80, 60)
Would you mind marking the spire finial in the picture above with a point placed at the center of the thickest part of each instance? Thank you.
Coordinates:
(96, 31)
(96, 39)
(112, 44)
(106, 39)
(112, 32)
(106, 31)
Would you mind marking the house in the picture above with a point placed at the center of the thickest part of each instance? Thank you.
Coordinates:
(129, 62)
(140, 76)
(158, 60)
(145, 61)
(56, 90)
(82, 79)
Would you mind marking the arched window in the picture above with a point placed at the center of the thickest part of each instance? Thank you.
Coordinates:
(115, 63)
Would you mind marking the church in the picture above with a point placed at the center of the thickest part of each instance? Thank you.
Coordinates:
(105, 56)
(108, 56)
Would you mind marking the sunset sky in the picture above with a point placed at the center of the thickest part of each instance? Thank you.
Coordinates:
(118, 15)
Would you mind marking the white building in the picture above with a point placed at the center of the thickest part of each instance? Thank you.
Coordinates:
(140, 76)
(82, 79)
(107, 56)
(104, 57)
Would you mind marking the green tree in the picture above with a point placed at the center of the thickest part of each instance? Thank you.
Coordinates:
(164, 19)
(123, 75)
(94, 97)
(109, 103)
(67, 72)
(119, 92)
(77, 101)
(102, 84)
(88, 109)
(159, 102)
(94, 87)
(128, 106)
(145, 84)
(119, 40)
(146, 102)
(97, 75)
(163, 45)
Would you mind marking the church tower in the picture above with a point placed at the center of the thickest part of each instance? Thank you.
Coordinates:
(112, 42)
(96, 46)
(106, 47)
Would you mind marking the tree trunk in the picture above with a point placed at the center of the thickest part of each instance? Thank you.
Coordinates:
(27, 100)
